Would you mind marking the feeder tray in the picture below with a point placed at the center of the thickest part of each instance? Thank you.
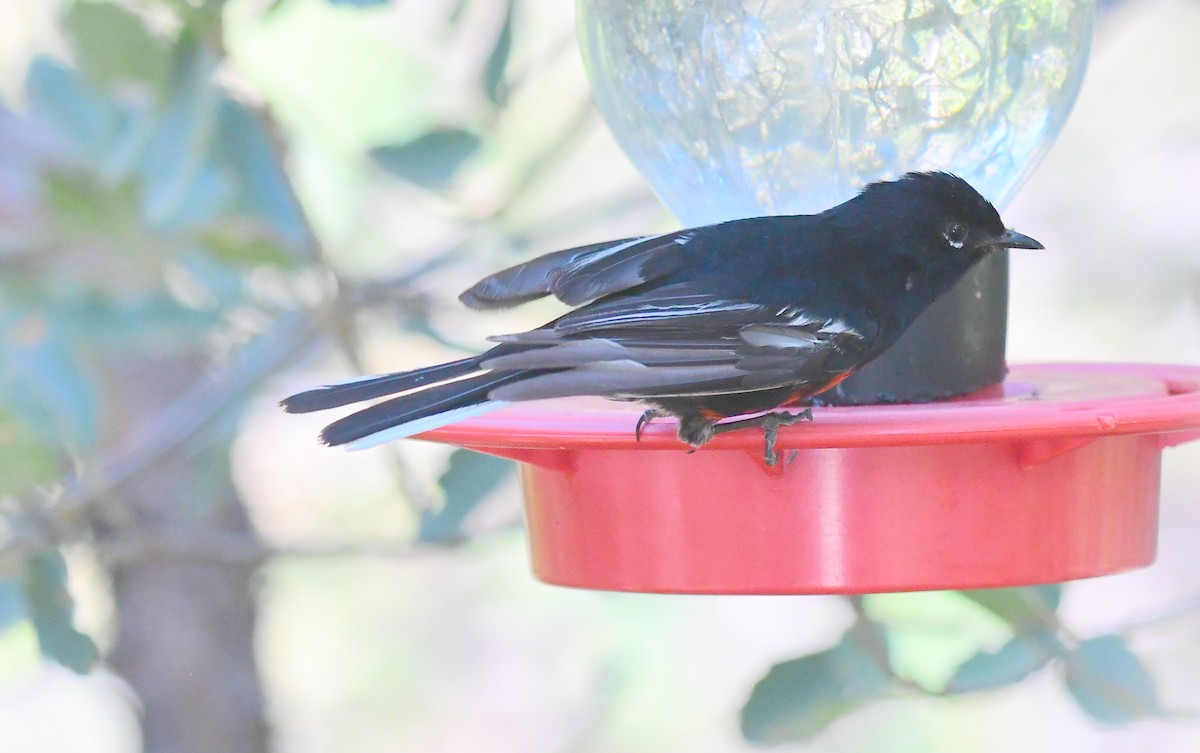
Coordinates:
(1051, 476)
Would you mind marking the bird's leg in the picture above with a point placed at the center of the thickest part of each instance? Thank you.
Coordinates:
(644, 421)
(770, 423)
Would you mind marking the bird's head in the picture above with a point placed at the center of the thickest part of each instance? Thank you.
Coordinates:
(946, 213)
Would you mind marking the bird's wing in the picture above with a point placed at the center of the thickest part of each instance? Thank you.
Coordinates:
(669, 308)
(578, 275)
(817, 351)
(681, 345)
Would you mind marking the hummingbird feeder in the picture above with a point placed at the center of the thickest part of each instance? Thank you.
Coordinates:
(1016, 475)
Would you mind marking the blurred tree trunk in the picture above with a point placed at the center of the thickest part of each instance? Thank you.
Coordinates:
(186, 627)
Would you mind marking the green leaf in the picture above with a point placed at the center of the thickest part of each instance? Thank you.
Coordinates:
(431, 160)
(497, 62)
(930, 634)
(986, 670)
(183, 187)
(113, 46)
(41, 380)
(467, 482)
(52, 612)
(80, 112)
(152, 322)
(245, 149)
(798, 699)
(359, 3)
(25, 458)
(220, 284)
(1026, 609)
(1109, 682)
(245, 244)
(13, 608)
(84, 210)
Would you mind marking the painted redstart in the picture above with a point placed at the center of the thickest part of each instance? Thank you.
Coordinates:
(703, 324)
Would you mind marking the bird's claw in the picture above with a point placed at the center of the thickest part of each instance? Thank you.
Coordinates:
(770, 423)
(644, 421)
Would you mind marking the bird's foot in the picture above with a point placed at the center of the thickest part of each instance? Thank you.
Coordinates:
(644, 421)
(770, 423)
(695, 430)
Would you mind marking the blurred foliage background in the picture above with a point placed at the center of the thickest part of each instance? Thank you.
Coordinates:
(206, 205)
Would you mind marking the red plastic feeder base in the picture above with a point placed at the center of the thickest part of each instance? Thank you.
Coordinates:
(1052, 476)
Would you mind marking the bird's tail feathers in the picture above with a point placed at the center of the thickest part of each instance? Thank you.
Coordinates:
(418, 411)
(368, 388)
(421, 425)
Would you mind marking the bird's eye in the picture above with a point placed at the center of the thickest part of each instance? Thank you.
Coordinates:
(955, 234)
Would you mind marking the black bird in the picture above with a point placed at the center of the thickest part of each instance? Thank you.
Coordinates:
(703, 324)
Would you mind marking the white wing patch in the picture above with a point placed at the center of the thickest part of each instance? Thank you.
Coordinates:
(656, 312)
(838, 327)
(779, 337)
(595, 256)
(802, 331)
(795, 316)
(621, 379)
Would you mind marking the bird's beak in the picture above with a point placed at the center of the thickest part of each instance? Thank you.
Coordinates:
(1012, 239)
